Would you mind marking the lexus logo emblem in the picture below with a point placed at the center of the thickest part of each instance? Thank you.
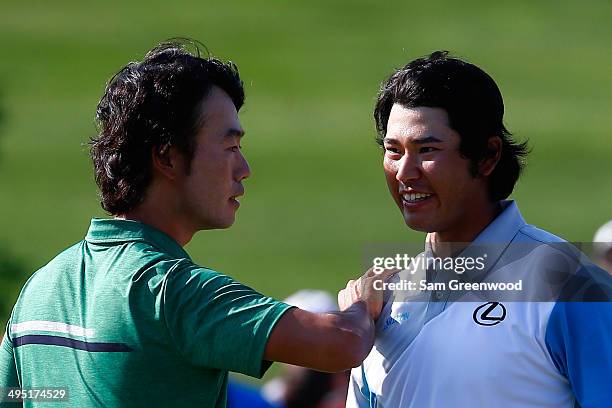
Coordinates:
(489, 314)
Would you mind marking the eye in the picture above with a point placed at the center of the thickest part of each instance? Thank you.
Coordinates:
(235, 148)
(391, 149)
(427, 149)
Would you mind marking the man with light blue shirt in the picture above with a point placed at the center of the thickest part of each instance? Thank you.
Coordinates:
(450, 164)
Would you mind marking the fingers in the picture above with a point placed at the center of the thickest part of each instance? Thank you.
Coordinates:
(365, 289)
(387, 273)
(348, 295)
(356, 289)
(343, 301)
(370, 272)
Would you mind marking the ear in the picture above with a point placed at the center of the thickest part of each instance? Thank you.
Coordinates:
(494, 149)
(167, 161)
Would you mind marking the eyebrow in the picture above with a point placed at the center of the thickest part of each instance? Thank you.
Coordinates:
(422, 140)
(235, 133)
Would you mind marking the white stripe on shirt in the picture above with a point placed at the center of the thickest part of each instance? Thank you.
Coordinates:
(58, 327)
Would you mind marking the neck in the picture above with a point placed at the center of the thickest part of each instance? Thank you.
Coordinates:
(471, 226)
(161, 218)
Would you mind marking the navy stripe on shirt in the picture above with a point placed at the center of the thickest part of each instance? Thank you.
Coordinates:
(71, 343)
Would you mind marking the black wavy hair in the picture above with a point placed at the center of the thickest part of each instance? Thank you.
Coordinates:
(474, 106)
(153, 104)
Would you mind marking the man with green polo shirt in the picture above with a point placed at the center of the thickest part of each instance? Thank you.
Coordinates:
(124, 317)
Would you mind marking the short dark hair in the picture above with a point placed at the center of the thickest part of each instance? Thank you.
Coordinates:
(153, 104)
(474, 106)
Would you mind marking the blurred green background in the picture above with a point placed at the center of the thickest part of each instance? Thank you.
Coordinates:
(312, 68)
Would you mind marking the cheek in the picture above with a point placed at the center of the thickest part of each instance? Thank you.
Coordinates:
(449, 176)
(449, 165)
(202, 182)
(211, 169)
(390, 168)
(436, 174)
(430, 166)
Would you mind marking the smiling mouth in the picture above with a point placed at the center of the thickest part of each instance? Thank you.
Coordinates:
(237, 197)
(234, 202)
(412, 198)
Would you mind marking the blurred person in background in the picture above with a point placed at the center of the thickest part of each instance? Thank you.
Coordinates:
(125, 317)
(240, 395)
(602, 242)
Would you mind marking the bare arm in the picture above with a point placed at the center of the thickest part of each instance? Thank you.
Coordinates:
(330, 341)
(322, 341)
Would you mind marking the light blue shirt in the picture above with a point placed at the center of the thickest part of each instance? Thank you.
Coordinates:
(542, 354)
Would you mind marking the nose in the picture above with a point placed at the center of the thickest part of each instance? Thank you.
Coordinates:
(243, 170)
(409, 168)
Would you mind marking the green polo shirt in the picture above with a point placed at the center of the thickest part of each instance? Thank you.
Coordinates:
(125, 318)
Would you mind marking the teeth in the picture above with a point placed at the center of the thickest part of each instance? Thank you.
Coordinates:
(412, 197)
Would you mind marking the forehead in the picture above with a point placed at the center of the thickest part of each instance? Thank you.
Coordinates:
(218, 114)
(406, 124)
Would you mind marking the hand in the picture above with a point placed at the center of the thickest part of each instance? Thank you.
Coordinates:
(363, 290)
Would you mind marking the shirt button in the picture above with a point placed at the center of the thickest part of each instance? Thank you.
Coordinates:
(439, 295)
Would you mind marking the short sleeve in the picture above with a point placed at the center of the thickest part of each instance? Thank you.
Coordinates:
(217, 322)
(8, 369)
(579, 341)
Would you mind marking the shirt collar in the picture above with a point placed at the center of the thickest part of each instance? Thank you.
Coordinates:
(492, 241)
(504, 227)
(116, 230)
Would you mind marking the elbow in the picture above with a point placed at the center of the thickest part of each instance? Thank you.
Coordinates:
(357, 349)
(351, 347)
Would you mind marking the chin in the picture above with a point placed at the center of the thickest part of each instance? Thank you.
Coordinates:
(217, 224)
(225, 224)
(416, 224)
(229, 221)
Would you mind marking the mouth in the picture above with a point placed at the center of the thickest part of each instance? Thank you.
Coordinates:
(235, 198)
(413, 198)
(233, 201)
